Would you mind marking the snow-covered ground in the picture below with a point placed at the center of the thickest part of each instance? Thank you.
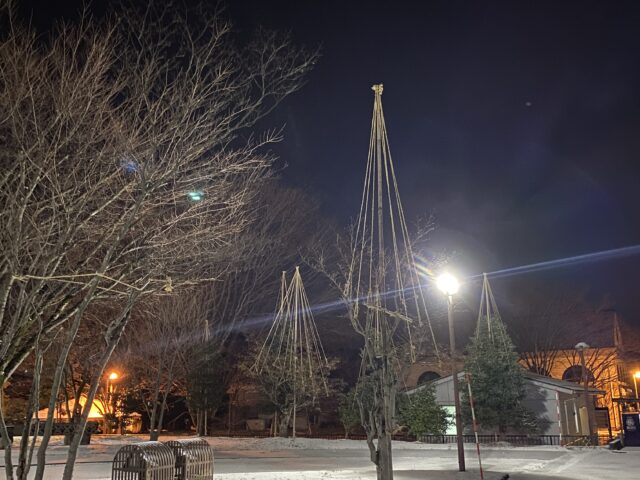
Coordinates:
(310, 459)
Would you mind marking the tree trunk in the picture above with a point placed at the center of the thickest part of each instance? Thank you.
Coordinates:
(163, 407)
(384, 467)
(113, 335)
(4, 435)
(198, 422)
(57, 380)
(32, 411)
(274, 424)
(378, 417)
(153, 428)
(283, 427)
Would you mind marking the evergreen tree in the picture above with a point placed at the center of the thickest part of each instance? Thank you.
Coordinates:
(210, 370)
(348, 411)
(422, 414)
(497, 379)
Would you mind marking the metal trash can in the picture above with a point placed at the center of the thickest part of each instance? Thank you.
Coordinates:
(144, 461)
(194, 459)
(631, 429)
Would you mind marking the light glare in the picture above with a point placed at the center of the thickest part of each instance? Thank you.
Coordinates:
(448, 284)
(195, 196)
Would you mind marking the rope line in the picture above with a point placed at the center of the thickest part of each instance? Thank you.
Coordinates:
(376, 268)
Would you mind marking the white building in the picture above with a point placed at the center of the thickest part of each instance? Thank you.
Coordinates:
(559, 402)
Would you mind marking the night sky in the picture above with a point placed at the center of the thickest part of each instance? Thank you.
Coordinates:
(516, 123)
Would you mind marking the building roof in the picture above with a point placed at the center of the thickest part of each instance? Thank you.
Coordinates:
(561, 386)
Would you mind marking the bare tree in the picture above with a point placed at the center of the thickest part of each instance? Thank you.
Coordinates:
(542, 326)
(158, 342)
(378, 278)
(291, 365)
(288, 392)
(205, 319)
(123, 168)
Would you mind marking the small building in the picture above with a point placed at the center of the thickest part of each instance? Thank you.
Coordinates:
(96, 414)
(611, 361)
(559, 402)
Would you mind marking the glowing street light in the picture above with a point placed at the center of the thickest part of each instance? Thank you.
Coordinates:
(112, 377)
(109, 395)
(449, 285)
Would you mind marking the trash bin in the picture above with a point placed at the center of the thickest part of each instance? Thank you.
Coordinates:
(616, 444)
(194, 458)
(144, 461)
(631, 429)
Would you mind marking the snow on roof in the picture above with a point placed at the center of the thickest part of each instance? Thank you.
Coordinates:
(539, 380)
(556, 384)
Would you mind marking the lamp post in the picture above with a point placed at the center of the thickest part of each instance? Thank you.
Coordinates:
(636, 376)
(449, 285)
(581, 347)
(112, 377)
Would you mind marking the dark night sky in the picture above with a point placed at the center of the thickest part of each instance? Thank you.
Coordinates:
(516, 122)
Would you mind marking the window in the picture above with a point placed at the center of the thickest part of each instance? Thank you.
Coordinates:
(574, 374)
(427, 377)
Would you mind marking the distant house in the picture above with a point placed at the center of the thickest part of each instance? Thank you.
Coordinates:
(559, 402)
(611, 360)
(95, 414)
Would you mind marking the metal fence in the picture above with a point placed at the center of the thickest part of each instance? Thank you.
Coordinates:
(144, 461)
(194, 459)
(331, 435)
(519, 440)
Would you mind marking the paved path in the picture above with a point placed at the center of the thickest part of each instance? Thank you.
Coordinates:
(428, 463)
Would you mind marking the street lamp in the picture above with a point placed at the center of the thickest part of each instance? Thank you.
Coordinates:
(581, 347)
(636, 376)
(449, 285)
(112, 377)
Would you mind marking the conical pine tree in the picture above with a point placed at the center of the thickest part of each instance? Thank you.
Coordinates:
(291, 365)
(496, 377)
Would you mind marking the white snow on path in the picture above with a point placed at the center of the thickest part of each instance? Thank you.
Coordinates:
(364, 474)
(315, 459)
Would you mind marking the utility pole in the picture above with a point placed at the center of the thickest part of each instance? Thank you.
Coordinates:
(456, 394)
(593, 437)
